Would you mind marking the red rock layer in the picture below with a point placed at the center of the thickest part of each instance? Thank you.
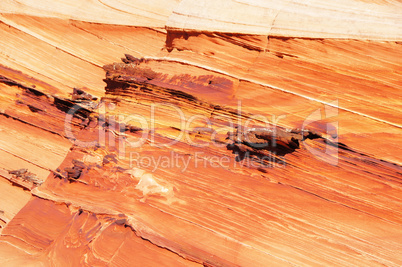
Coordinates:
(211, 206)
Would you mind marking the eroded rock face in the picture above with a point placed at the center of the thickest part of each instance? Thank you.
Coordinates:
(232, 143)
(278, 140)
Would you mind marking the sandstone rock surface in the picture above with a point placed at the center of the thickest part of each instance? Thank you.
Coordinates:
(215, 133)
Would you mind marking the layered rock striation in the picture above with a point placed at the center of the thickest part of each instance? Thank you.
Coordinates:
(233, 133)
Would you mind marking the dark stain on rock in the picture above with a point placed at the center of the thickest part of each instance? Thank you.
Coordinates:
(263, 142)
(80, 95)
(181, 94)
(75, 171)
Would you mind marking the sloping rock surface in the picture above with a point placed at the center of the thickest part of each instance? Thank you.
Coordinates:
(180, 133)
